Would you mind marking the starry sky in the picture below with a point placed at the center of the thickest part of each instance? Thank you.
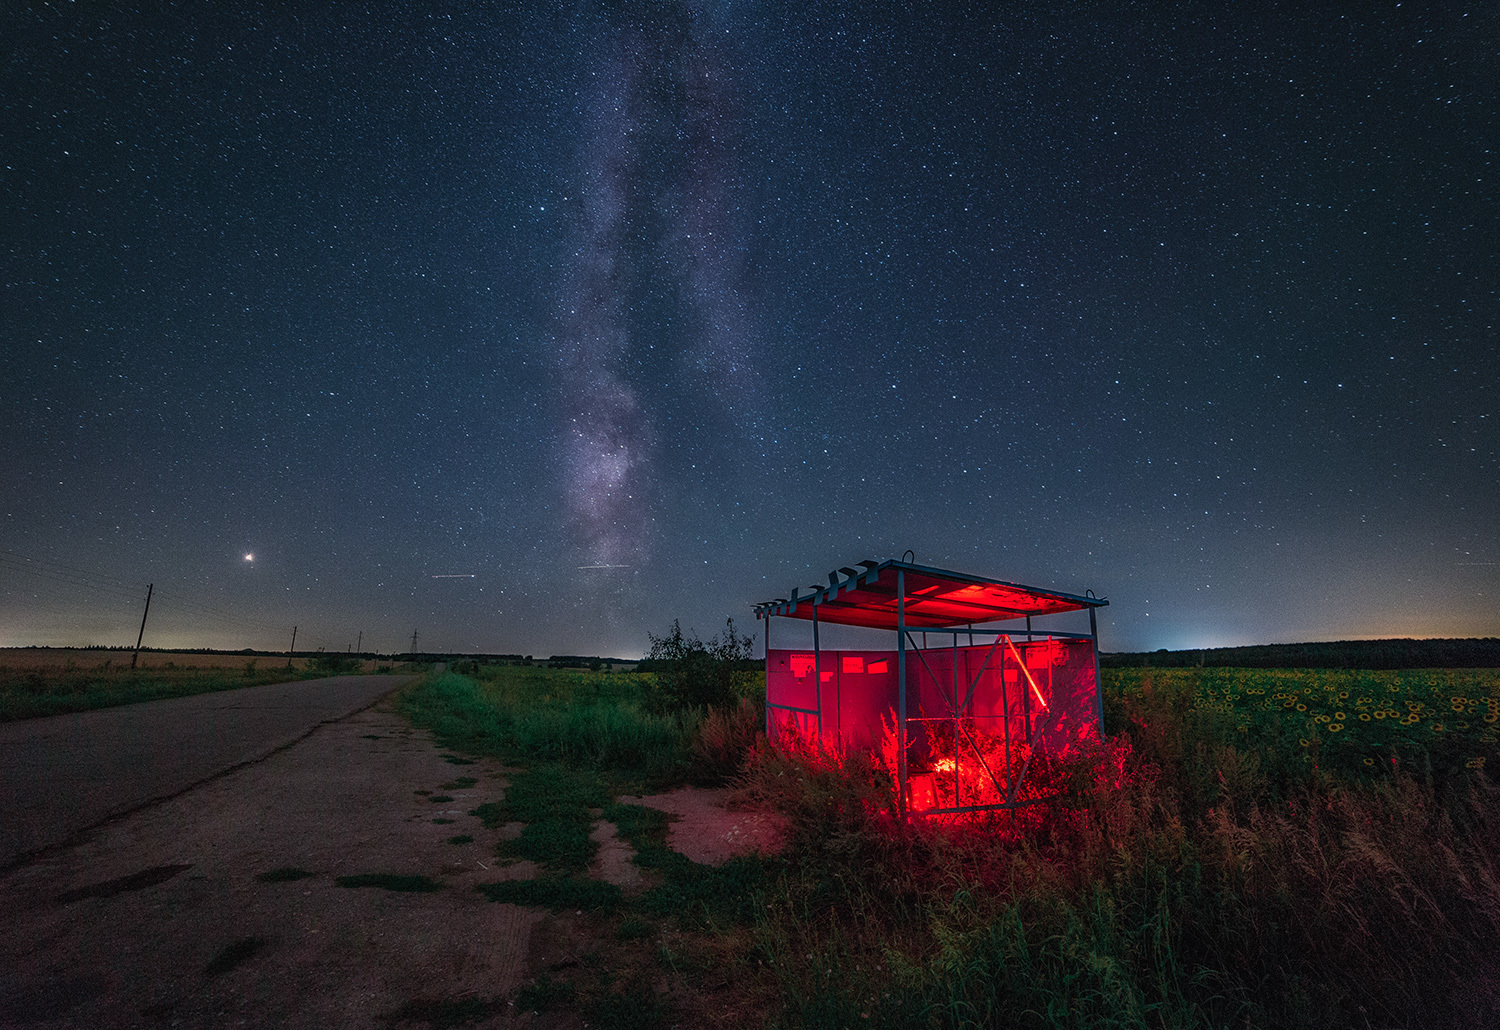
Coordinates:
(530, 328)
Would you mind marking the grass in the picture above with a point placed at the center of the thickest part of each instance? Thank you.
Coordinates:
(1225, 858)
(405, 884)
(284, 874)
(27, 693)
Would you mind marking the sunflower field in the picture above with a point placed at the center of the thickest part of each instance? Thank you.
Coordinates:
(1355, 723)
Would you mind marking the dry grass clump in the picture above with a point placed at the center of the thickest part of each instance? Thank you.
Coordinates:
(725, 738)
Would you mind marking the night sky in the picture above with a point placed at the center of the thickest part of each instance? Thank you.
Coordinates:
(532, 328)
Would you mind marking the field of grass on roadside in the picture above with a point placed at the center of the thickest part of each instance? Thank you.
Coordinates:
(1222, 859)
(27, 693)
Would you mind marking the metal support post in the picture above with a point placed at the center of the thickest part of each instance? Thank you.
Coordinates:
(817, 673)
(901, 692)
(1098, 682)
(768, 675)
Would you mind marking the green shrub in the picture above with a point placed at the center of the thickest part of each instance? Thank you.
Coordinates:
(691, 673)
(332, 664)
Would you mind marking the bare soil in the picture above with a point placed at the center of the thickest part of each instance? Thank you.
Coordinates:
(706, 830)
(222, 906)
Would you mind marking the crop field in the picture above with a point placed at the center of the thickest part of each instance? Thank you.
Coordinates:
(95, 658)
(1350, 721)
(1245, 848)
(51, 681)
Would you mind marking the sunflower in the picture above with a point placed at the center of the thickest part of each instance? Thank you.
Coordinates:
(1369, 761)
(1303, 741)
(1334, 727)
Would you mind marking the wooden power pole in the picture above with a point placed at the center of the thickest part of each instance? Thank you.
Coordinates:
(142, 634)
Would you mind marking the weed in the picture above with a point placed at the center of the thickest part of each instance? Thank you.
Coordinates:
(460, 783)
(633, 929)
(488, 813)
(124, 884)
(283, 874)
(440, 799)
(725, 739)
(455, 760)
(554, 802)
(558, 893)
(390, 882)
(444, 822)
(462, 838)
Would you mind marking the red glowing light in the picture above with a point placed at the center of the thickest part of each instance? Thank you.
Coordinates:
(802, 664)
(853, 663)
(879, 668)
(1034, 688)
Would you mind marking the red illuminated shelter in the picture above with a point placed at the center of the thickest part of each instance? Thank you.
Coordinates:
(964, 718)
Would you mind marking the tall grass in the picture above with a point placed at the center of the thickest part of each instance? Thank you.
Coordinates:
(576, 718)
(1204, 868)
(1213, 878)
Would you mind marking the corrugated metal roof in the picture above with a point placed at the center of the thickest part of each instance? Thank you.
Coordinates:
(935, 598)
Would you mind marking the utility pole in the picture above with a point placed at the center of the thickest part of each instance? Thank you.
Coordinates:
(294, 648)
(141, 635)
(360, 647)
(413, 643)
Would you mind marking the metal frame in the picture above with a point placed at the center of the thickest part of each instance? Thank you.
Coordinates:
(1055, 602)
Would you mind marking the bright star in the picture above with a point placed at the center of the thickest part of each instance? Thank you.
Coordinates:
(249, 557)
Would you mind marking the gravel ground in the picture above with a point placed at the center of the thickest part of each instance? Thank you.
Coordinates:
(159, 918)
(63, 774)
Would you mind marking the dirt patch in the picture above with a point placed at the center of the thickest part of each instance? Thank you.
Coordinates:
(708, 832)
(223, 905)
(615, 860)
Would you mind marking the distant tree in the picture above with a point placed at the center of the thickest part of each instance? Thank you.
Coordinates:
(691, 673)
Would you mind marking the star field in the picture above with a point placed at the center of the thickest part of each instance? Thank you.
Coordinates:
(656, 311)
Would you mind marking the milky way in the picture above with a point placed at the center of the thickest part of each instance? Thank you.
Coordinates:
(656, 237)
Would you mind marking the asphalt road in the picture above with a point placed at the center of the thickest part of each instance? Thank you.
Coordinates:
(63, 774)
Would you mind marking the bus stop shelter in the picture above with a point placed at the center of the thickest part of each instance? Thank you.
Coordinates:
(983, 678)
